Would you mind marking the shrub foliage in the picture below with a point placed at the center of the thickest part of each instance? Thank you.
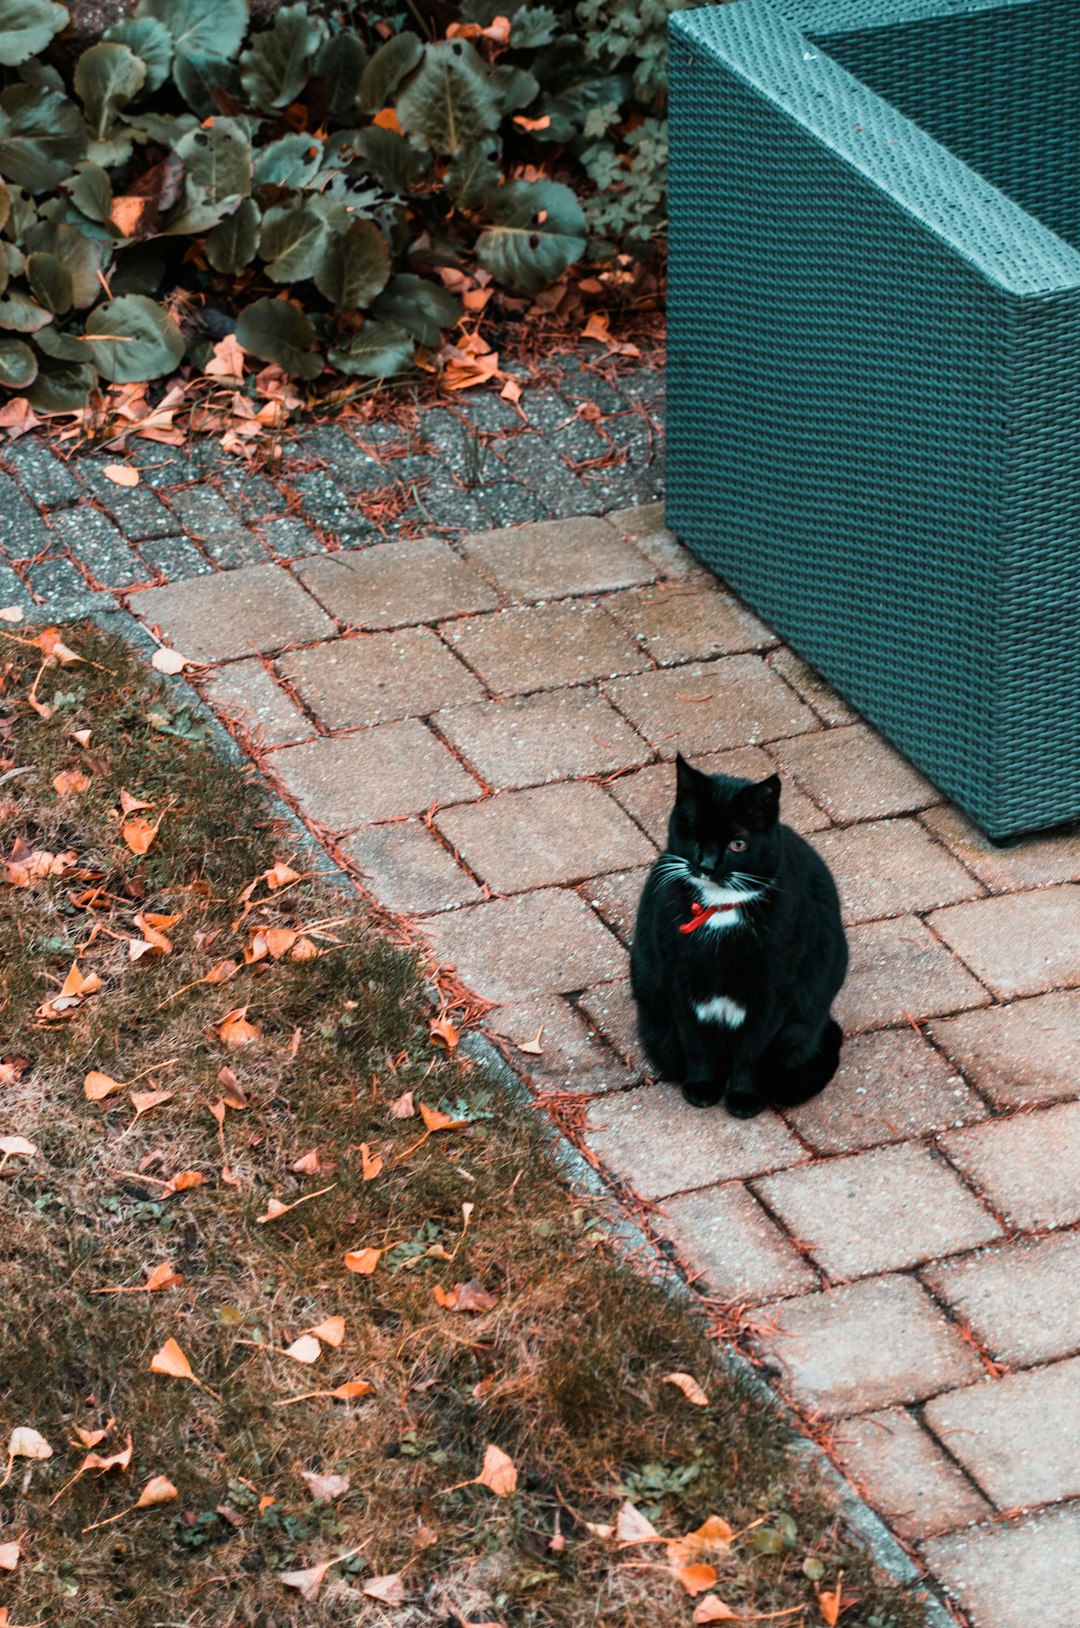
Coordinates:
(308, 181)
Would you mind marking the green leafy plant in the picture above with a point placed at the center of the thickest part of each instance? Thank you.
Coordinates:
(306, 183)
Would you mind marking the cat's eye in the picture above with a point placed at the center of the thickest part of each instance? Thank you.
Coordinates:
(737, 845)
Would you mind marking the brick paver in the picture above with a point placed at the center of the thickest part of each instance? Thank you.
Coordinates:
(542, 737)
(877, 1211)
(855, 775)
(554, 558)
(1012, 1297)
(523, 839)
(399, 584)
(1015, 1575)
(408, 869)
(743, 1255)
(608, 648)
(889, 1086)
(1017, 1054)
(1019, 1436)
(899, 968)
(547, 942)
(735, 701)
(375, 774)
(234, 614)
(891, 868)
(651, 1139)
(1020, 944)
(865, 1346)
(245, 692)
(1028, 1166)
(905, 1474)
(677, 623)
(379, 677)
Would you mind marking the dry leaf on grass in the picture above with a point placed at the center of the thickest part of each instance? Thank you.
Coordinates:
(69, 782)
(310, 1581)
(170, 1360)
(713, 1609)
(696, 1579)
(164, 1276)
(10, 1554)
(99, 1462)
(143, 1101)
(389, 1589)
(402, 1107)
(631, 1526)
(10, 1146)
(158, 1491)
(832, 1602)
(138, 833)
(327, 1487)
(471, 1296)
(305, 1349)
(348, 1392)
(445, 1032)
(708, 1541)
(27, 865)
(182, 1182)
(275, 1209)
(331, 1331)
(98, 1086)
(168, 661)
(370, 1163)
(235, 1029)
(50, 644)
(25, 1442)
(307, 1164)
(689, 1387)
(364, 1261)
(498, 1473)
(76, 988)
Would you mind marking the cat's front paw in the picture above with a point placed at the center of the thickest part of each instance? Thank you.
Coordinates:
(744, 1104)
(702, 1093)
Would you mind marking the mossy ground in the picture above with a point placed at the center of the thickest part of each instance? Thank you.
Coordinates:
(564, 1373)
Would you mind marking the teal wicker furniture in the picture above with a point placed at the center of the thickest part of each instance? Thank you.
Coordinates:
(874, 364)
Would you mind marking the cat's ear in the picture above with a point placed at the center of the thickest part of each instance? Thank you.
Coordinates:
(688, 780)
(757, 808)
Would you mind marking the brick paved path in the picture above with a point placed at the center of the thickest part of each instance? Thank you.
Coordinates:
(483, 734)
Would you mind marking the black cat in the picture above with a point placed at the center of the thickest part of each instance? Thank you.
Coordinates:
(738, 951)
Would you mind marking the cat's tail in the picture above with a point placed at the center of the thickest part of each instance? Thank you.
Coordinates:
(784, 1087)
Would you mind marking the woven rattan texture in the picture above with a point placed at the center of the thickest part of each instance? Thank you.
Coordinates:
(874, 412)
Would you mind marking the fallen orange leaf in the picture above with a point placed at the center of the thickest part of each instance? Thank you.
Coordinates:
(713, 1609)
(25, 1442)
(471, 1296)
(631, 1526)
(70, 781)
(442, 1029)
(306, 1349)
(403, 1107)
(389, 1589)
(164, 1276)
(363, 1261)
(327, 1487)
(697, 1579)
(689, 1387)
(168, 661)
(832, 1603)
(158, 1491)
(138, 832)
(310, 1581)
(235, 1029)
(99, 1462)
(97, 1086)
(182, 1182)
(331, 1331)
(9, 1556)
(370, 1164)
(121, 474)
(347, 1392)
(275, 1209)
(170, 1360)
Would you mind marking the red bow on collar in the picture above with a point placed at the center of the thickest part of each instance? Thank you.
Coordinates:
(699, 915)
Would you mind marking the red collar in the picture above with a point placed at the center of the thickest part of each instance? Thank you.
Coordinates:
(699, 915)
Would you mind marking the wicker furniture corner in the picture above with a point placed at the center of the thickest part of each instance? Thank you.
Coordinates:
(874, 364)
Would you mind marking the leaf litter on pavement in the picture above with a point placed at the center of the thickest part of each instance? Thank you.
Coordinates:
(276, 1255)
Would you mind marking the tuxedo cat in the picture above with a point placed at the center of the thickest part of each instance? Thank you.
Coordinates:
(738, 951)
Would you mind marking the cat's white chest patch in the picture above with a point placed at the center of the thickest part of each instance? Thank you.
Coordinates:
(725, 901)
(721, 1009)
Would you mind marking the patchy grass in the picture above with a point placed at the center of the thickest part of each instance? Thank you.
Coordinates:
(561, 1367)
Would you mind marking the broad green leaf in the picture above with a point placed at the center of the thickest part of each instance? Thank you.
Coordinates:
(291, 162)
(231, 245)
(516, 86)
(5, 205)
(339, 64)
(50, 282)
(42, 136)
(26, 27)
(139, 269)
(449, 100)
(22, 213)
(84, 257)
(61, 387)
(18, 364)
(107, 77)
(378, 351)
(275, 331)
(336, 213)
(217, 160)
(91, 191)
(387, 68)
(292, 242)
(532, 27)
(473, 176)
(275, 67)
(62, 347)
(354, 267)
(164, 128)
(538, 230)
(133, 339)
(202, 30)
(151, 42)
(422, 308)
(5, 272)
(20, 312)
(389, 156)
(202, 81)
